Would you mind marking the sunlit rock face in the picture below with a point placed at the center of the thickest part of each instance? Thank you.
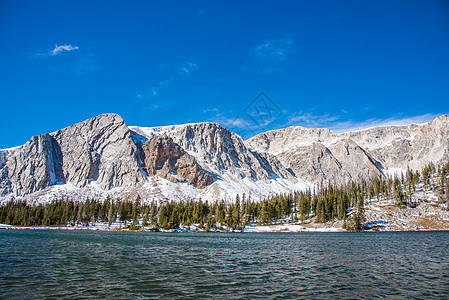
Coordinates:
(318, 155)
(103, 155)
(99, 149)
(164, 158)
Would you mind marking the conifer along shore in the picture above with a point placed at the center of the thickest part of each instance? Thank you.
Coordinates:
(325, 203)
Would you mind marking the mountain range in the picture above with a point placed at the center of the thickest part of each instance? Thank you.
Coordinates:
(102, 156)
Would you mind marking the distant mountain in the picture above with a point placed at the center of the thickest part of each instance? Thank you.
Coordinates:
(102, 156)
(318, 155)
(97, 151)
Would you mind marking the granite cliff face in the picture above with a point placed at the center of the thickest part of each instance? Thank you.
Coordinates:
(164, 158)
(36, 165)
(223, 155)
(317, 154)
(219, 151)
(403, 146)
(208, 161)
(98, 150)
(323, 155)
(339, 162)
(103, 153)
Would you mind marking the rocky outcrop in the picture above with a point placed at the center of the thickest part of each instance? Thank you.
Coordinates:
(103, 154)
(322, 155)
(164, 158)
(99, 149)
(282, 140)
(340, 162)
(411, 146)
(236, 169)
(220, 151)
(317, 154)
(3, 157)
(34, 166)
(5, 154)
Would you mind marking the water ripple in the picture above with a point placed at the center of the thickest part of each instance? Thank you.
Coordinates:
(66, 264)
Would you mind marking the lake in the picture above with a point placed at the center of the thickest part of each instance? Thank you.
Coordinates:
(92, 264)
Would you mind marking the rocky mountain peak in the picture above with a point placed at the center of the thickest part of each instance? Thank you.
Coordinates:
(164, 158)
(321, 154)
(218, 150)
(98, 150)
(103, 153)
(36, 165)
(277, 141)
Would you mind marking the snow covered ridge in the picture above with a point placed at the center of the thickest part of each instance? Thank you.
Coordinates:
(149, 132)
(317, 155)
(5, 153)
(102, 156)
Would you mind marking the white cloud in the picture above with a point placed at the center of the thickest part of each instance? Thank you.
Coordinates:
(311, 120)
(186, 68)
(237, 125)
(274, 51)
(60, 49)
(373, 122)
(175, 70)
(244, 128)
(338, 125)
(155, 91)
(211, 110)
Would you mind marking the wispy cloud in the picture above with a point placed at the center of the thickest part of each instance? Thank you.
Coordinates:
(350, 125)
(234, 123)
(210, 110)
(81, 63)
(311, 120)
(237, 125)
(337, 124)
(155, 90)
(272, 53)
(42, 53)
(186, 68)
(60, 49)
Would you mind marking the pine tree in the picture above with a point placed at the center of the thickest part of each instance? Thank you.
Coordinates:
(236, 214)
(136, 209)
(163, 217)
(304, 206)
(145, 218)
(124, 211)
(263, 216)
(357, 218)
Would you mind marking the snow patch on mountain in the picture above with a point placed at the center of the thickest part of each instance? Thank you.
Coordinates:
(395, 172)
(5, 154)
(149, 132)
(103, 157)
(66, 191)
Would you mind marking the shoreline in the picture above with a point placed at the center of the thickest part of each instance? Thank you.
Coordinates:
(249, 229)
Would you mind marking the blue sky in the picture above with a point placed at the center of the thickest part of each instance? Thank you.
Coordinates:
(251, 66)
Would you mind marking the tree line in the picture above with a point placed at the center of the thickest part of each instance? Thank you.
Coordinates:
(324, 203)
